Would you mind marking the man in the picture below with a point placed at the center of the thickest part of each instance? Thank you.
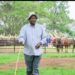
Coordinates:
(32, 35)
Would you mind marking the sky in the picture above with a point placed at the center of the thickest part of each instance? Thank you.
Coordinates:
(71, 9)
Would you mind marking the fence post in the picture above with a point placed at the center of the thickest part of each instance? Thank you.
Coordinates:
(14, 45)
(45, 49)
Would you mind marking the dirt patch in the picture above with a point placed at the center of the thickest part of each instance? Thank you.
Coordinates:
(56, 62)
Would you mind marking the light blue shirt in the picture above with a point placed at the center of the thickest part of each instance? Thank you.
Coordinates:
(30, 36)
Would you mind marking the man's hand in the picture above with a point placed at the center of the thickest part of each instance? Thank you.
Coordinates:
(21, 42)
(38, 45)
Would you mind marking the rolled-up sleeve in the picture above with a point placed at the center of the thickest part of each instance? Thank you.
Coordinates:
(22, 35)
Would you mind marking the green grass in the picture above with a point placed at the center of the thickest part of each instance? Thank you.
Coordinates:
(9, 57)
(55, 70)
(43, 71)
(59, 55)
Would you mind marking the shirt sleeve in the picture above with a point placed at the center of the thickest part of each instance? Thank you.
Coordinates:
(22, 35)
(44, 36)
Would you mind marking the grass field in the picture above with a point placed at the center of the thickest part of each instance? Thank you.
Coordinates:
(9, 57)
(43, 71)
(55, 70)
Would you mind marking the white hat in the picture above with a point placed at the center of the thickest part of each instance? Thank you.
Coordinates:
(32, 13)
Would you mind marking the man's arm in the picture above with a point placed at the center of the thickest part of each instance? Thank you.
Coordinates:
(45, 39)
(22, 36)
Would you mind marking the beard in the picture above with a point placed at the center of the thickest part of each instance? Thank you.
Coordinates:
(32, 23)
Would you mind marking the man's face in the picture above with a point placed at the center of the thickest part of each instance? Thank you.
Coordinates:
(32, 20)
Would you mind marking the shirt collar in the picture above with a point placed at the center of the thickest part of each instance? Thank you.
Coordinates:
(33, 26)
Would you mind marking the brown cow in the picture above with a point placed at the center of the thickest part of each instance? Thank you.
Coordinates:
(61, 43)
(57, 43)
(73, 42)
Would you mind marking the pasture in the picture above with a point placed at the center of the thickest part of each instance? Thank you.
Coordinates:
(56, 19)
(52, 63)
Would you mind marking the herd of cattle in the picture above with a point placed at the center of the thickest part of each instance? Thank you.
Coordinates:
(63, 42)
(59, 43)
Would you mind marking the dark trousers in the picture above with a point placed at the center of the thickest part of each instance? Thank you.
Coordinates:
(32, 63)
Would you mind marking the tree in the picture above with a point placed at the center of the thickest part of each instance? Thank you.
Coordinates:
(15, 13)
